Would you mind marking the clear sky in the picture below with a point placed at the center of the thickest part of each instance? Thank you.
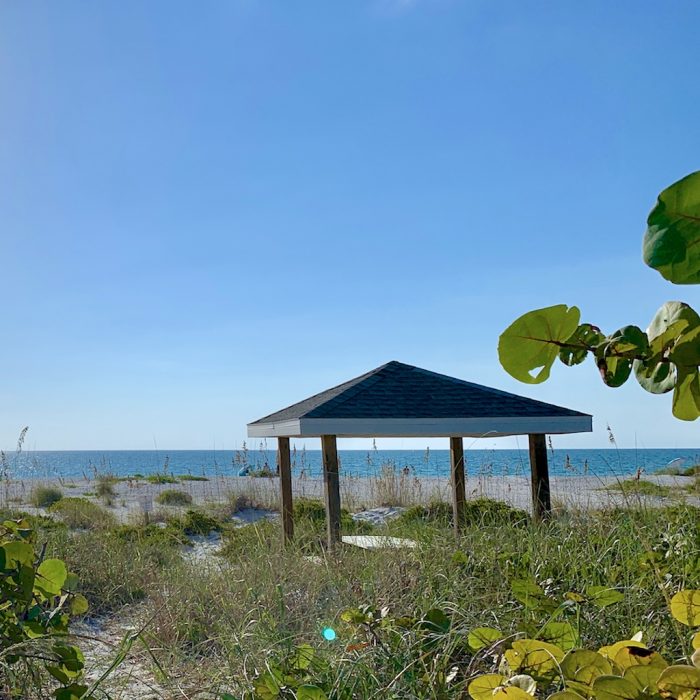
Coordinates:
(210, 210)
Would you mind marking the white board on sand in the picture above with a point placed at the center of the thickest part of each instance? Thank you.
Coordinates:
(377, 542)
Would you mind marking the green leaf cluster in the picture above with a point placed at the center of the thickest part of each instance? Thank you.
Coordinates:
(625, 670)
(663, 358)
(38, 599)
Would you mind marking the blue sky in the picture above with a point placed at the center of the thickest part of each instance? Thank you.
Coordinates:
(211, 210)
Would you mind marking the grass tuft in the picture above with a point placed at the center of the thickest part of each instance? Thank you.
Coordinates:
(173, 497)
(45, 496)
(81, 514)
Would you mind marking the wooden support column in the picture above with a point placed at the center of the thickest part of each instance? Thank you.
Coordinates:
(541, 499)
(285, 472)
(331, 483)
(457, 478)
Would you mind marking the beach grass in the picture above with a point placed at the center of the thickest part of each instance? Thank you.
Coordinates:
(44, 496)
(173, 497)
(216, 623)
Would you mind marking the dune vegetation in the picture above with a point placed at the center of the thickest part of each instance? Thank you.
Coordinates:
(205, 608)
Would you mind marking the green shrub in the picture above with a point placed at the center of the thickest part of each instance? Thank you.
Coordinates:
(45, 496)
(314, 511)
(39, 598)
(81, 514)
(692, 471)
(161, 479)
(481, 511)
(193, 477)
(263, 473)
(170, 535)
(640, 487)
(196, 522)
(173, 497)
(104, 487)
(309, 509)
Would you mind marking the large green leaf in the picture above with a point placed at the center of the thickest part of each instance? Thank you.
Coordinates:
(310, 692)
(583, 339)
(615, 356)
(686, 395)
(685, 607)
(672, 321)
(614, 371)
(51, 575)
(532, 342)
(686, 351)
(672, 239)
(655, 377)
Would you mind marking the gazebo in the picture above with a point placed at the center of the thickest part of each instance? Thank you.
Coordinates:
(399, 400)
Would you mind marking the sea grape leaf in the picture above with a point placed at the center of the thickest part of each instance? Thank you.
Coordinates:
(303, 657)
(602, 596)
(17, 553)
(584, 666)
(527, 591)
(686, 352)
(74, 691)
(614, 688)
(644, 678)
(539, 659)
(528, 347)
(510, 692)
(51, 575)
(655, 377)
(614, 371)
(310, 692)
(436, 621)
(630, 656)
(681, 682)
(628, 341)
(610, 651)
(584, 338)
(614, 356)
(686, 395)
(482, 687)
(79, 605)
(672, 320)
(562, 634)
(524, 682)
(685, 607)
(482, 637)
(672, 239)
(566, 695)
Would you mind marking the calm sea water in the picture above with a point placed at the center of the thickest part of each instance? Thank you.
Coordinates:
(352, 462)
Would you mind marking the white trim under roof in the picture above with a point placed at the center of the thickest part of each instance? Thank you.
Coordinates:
(423, 427)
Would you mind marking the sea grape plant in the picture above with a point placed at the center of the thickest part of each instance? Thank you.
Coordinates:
(624, 670)
(38, 597)
(544, 659)
(663, 358)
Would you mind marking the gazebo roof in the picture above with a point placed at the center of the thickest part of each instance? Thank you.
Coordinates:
(399, 400)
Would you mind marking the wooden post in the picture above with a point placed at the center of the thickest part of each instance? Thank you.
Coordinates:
(331, 485)
(541, 500)
(285, 471)
(457, 478)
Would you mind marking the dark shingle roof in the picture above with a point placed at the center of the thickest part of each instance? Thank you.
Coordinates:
(396, 390)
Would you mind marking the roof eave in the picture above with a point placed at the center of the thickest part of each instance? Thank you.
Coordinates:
(423, 427)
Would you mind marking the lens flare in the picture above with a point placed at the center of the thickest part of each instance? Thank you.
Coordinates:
(328, 634)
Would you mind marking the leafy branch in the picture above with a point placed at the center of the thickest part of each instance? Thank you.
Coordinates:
(663, 358)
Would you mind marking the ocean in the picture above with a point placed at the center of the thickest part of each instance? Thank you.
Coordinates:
(421, 463)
